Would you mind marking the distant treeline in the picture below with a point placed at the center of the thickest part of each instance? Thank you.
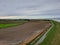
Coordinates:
(4, 21)
(14, 19)
(18, 20)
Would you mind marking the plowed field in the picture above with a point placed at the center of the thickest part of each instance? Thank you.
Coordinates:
(22, 33)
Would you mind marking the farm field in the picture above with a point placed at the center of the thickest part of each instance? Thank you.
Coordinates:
(53, 37)
(23, 34)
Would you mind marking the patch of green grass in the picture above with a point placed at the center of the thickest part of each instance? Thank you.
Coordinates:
(53, 37)
(10, 24)
(7, 25)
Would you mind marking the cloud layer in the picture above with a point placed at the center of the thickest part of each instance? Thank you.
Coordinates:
(30, 8)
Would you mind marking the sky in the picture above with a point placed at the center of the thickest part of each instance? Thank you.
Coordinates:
(42, 8)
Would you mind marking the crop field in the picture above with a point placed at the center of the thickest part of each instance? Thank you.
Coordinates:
(23, 34)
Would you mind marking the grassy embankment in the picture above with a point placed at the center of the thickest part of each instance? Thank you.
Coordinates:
(53, 37)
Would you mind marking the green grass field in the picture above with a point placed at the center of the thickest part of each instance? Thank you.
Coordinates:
(8, 24)
(53, 37)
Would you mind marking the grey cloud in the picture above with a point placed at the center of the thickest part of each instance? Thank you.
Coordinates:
(29, 7)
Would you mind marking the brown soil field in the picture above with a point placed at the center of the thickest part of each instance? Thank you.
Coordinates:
(23, 34)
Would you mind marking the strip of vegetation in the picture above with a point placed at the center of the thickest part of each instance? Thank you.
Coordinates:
(33, 42)
(53, 37)
(8, 21)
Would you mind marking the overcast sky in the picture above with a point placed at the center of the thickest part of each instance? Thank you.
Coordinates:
(44, 8)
